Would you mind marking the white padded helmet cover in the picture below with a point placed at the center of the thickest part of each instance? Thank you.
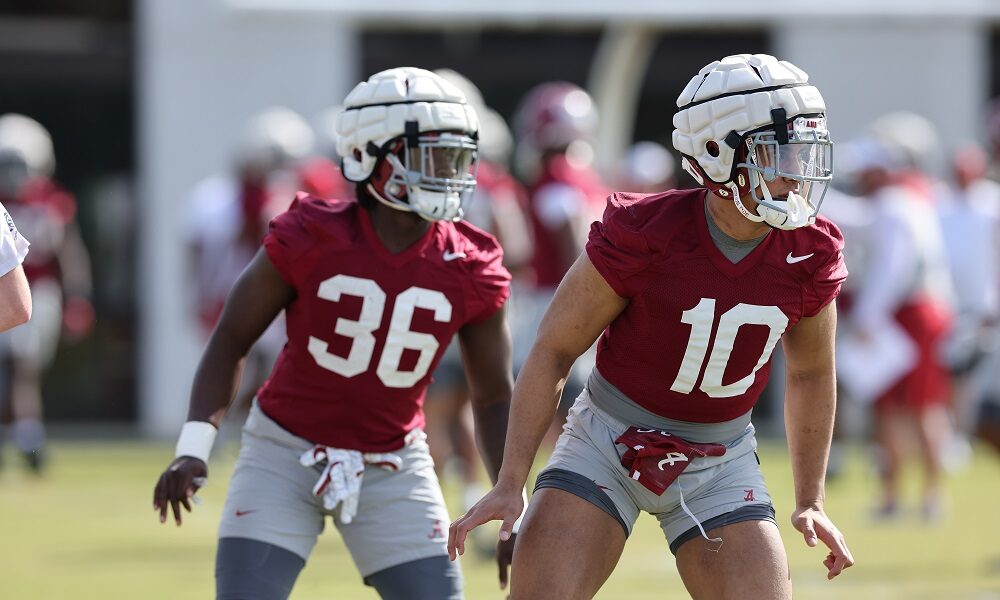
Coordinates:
(29, 139)
(377, 110)
(725, 101)
(274, 137)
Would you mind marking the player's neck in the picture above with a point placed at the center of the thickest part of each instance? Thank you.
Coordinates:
(397, 230)
(727, 217)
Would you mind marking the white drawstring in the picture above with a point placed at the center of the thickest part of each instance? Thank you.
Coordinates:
(687, 510)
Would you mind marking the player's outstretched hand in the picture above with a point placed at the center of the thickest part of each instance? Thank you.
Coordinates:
(502, 503)
(177, 486)
(814, 525)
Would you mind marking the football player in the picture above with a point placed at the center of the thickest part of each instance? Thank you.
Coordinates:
(907, 292)
(228, 213)
(227, 217)
(689, 291)
(373, 290)
(555, 124)
(57, 270)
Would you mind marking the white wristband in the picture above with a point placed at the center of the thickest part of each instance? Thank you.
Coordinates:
(517, 523)
(196, 440)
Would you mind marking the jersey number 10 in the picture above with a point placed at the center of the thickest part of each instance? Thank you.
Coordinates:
(700, 318)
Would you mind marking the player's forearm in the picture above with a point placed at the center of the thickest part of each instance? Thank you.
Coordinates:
(216, 380)
(491, 430)
(255, 300)
(810, 404)
(536, 395)
(15, 307)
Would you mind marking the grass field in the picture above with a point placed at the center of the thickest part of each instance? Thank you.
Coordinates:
(87, 531)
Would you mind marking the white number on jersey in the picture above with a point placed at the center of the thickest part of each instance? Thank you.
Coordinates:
(701, 319)
(398, 339)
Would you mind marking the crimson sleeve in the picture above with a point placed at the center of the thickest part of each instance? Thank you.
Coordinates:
(491, 282)
(827, 280)
(619, 250)
(287, 240)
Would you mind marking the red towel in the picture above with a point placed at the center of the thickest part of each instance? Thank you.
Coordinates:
(656, 458)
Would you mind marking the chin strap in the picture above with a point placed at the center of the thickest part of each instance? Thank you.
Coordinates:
(397, 205)
(741, 207)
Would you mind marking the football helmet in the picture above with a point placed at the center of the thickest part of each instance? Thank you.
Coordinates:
(647, 167)
(273, 139)
(555, 114)
(912, 136)
(411, 138)
(496, 142)
(25, 152)
(754, 113)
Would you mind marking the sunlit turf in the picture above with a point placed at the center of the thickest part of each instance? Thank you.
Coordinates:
(87, 531)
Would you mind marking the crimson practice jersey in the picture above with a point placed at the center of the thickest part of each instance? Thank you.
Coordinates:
(581, 198)
(367, 326)
(43, 211)
(695, 341)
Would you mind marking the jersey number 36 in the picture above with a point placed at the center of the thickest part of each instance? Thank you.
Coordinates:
(398, 339)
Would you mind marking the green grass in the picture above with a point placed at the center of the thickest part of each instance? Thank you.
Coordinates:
(87, 531)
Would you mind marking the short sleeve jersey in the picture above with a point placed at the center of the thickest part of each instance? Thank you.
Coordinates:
(581, 193)
(695, 340)
(13, 246)
(367, 326)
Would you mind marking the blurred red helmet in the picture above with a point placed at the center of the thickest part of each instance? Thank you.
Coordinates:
(554, 114)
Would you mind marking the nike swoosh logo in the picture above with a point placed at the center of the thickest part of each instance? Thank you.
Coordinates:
(240, 513)
(450, 256)
(794, 259)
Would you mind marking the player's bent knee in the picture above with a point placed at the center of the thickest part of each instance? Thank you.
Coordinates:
(248, 569)
(434, 578)
(581, 487)
(753, 512)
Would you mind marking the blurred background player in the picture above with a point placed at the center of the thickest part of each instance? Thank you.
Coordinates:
(970, 222)
(57, 270)
(905, 293)
(647, 168)
(228, 214)
(498, 207)
(555, 125)
(374, 290)
(985, 384)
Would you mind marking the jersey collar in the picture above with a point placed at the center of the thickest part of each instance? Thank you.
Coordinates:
(415, 250)
(715, 255)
